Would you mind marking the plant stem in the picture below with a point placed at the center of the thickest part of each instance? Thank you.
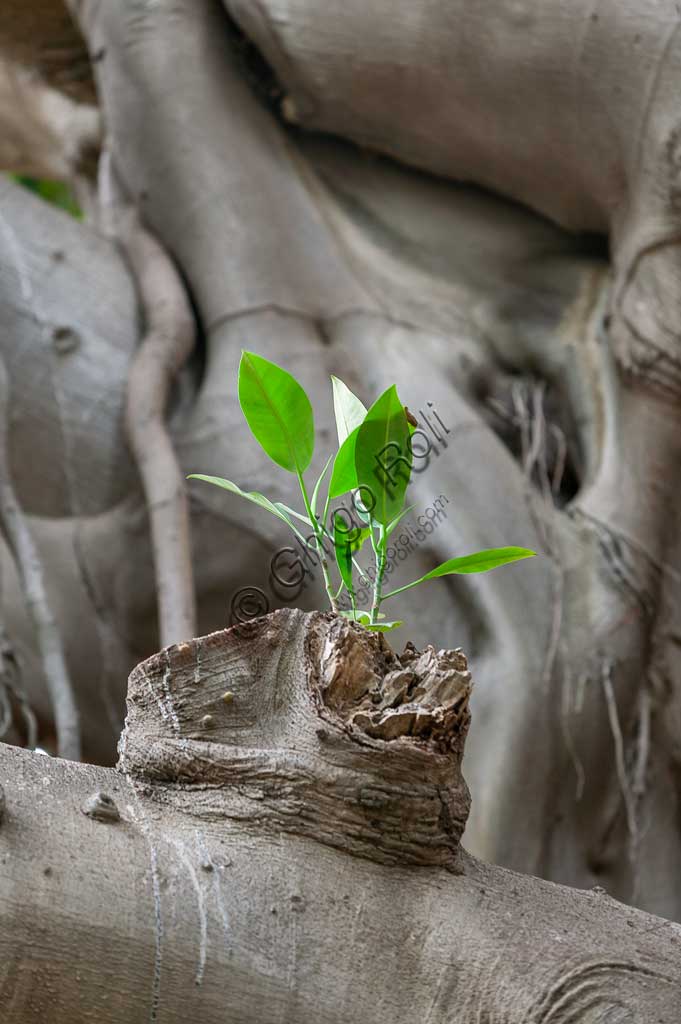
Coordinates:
(327, 578)
(325, 513)
(319, 538)
(380, 571)
(401, 590)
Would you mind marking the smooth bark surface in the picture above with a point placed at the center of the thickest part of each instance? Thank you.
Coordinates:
(569, 108)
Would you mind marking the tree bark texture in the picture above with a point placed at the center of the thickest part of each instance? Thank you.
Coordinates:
(281, 842)
(568, 108)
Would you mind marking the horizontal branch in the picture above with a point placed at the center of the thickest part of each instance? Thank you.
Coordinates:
(169, 898)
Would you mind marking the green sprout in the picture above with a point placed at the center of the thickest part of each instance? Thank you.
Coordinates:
(280, 416)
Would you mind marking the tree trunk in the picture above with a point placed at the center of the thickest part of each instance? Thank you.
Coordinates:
(281, 842)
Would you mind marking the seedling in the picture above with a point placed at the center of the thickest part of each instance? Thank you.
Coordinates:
(373, 463)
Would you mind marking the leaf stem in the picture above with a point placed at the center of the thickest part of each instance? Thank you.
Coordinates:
(319, 538)
(381, 560)
(400, 590)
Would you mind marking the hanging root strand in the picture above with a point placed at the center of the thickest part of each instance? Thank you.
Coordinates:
(31, 573)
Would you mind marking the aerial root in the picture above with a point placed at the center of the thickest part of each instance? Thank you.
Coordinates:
(167, 344)
(31, 574)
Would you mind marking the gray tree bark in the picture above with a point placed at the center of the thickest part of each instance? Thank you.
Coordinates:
(293, 853)
(476, 308)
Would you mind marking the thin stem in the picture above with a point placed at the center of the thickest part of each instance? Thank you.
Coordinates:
(351, 594)
(325, 513)
(372, 538)
(400, 590)
(327, 577)
(328, 534)
(356, 564)
(353, 603)
(319, 538)
(380, 571)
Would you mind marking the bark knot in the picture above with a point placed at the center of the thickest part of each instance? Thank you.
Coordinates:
(328, 734)
(101, 807)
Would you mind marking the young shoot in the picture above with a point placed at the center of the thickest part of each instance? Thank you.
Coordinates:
(373, 463)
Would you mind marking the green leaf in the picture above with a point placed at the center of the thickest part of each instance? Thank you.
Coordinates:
(383, 458)
(348, 409)
(381, 627)
(315, 493)
(365, 620)
(276, 508)
(292, 512)
(354, 535)
(481, 561)
(343, 550)
(398, 519)
(363, 616)
(278, 412)
(358, 537)
(55, 192)
(344, 474)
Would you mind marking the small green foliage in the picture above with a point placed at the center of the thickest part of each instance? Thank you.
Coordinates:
(342, 545)
(317, 486)
(344, 473)
(277, 508)
(398, 519)
(481, 561)
(376, 627)
(347, 408)
(383, 457)
(278, 412)
(350, 414)
(373, 461)
(55, 192)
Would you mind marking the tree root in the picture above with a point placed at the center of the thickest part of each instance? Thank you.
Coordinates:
(30, 569)
(166, 346)
(628, 794)
(11, 693)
